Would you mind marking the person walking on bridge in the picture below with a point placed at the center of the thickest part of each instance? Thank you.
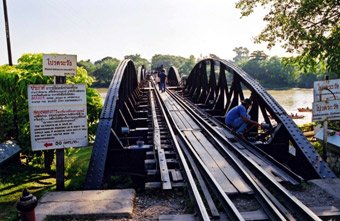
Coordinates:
(162, 77)
(238, 118)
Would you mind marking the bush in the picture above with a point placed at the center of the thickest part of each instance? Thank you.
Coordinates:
(14, 103)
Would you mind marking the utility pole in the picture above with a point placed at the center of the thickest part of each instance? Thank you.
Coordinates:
(10, 63)
(7, 34)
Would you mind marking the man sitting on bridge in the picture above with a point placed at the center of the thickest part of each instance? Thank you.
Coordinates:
(238, 119)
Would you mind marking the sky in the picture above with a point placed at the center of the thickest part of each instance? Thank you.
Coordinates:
(94, 29)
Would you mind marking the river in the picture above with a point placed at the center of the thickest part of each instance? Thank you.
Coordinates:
(295, 98)
(290, 100)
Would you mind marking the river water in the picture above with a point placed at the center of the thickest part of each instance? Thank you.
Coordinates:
(295, 98)
(290, 100)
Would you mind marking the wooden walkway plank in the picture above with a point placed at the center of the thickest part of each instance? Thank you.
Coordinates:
(225, 167)
(182, 115)
(267, 167)
(211, 164)
(178, 120)
(184, 118)
(192, 124)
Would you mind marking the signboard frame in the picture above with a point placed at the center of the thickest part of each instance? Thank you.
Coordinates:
(326, 90)
(58, 116)
(326, 105)
(59, 64)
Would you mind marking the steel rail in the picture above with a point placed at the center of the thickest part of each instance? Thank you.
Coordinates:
(227, 204)
(298, 208)
(198, 199)
(266, 203)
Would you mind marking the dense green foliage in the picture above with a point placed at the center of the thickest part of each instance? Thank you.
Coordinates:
(309, 28)
(13, 92)
(275, 72)
(183, 65)
(14, 178)
(138, 61)
(104, 70)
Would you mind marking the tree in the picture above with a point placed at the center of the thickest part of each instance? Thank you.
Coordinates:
(258, 55)
(88, 65)
(187, 66)
(310, 28)
(271, 73)
(184, 65)
(105, 69)
(138, 61)
(242, 53)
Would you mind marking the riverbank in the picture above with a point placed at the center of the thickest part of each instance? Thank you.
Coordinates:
(290, 99)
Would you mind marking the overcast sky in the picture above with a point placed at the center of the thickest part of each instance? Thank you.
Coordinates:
(94, 29)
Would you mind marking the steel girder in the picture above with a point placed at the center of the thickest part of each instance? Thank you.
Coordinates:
(173, 77)
(123, 83)
(219, 97)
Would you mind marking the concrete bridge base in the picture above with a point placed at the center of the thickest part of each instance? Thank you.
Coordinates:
(90, 204)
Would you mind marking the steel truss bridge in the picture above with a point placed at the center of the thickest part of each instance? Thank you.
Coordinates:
(178, 139)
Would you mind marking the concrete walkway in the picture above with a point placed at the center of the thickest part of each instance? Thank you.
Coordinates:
(90, 204)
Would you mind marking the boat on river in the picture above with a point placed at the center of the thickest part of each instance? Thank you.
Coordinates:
(302, 109)
(296, 116)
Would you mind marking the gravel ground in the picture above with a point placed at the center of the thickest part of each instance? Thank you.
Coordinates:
(151, 204)
(313, 196)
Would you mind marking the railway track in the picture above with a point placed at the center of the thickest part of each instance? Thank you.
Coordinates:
(168, 141)
(221, 172)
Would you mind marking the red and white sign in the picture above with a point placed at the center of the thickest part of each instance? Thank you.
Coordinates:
(326, 105)
(326, 110)
(327, 90)
(58, 116)
(59, 65)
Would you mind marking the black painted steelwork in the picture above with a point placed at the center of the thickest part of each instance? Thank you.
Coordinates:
(270, 205)
(123, 84)
(217, 86)
(173, 77)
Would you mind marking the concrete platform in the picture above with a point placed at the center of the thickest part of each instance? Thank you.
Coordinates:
(331, 186)
(90, 204)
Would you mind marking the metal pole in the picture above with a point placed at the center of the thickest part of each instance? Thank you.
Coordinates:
(60, 154)
(325, 136)
(7, 34)
(325, 133)
(10, 63)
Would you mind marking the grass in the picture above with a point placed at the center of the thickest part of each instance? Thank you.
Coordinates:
(15, 178)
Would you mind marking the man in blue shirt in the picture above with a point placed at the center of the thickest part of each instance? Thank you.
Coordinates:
(238, 119)
(162, 77)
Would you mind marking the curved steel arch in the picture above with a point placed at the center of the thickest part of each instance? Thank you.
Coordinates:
(173, 77)
(217, 86)
(141, 73)
(123, 83)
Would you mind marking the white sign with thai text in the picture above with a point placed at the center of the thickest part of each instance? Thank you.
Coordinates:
(327, 90)
(326, 110)
(59, 65)
(58, 116)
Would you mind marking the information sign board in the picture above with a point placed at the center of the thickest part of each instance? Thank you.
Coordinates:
(329, 110)
(59, 65)
(58, 116)
(329, 89)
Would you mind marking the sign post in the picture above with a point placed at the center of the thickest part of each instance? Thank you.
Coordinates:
(60, 153)
(58, 115)
(326, 106)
